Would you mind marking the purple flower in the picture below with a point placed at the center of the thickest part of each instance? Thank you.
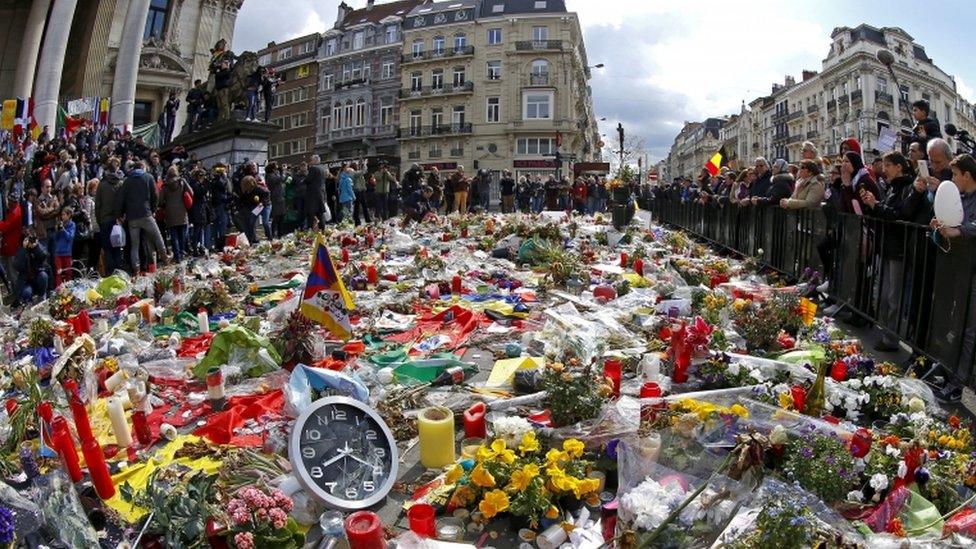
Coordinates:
(806, 452)
(6, 525)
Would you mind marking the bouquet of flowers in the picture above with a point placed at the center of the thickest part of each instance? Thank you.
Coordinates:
(259, 518)
(574, 394)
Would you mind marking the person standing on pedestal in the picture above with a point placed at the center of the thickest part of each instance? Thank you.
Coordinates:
(170, 110)
(269, 86)
(222, 89)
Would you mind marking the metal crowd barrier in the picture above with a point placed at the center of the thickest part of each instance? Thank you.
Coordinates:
(888, 272)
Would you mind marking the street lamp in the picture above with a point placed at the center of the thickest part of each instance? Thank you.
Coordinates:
(597, 66)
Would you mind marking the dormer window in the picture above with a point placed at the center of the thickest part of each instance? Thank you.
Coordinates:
(498, 8)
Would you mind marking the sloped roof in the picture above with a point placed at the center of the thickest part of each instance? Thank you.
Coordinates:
(399, 8)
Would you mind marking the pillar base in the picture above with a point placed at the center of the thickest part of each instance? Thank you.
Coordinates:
(229, 142)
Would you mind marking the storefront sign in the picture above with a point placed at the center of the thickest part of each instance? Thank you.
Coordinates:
(441, 166)
(596, 168)
(545, 164)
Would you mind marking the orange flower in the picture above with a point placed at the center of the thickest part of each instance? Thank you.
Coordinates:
(954, 422)
(892, 440)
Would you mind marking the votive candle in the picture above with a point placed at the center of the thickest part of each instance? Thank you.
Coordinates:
(436, 430)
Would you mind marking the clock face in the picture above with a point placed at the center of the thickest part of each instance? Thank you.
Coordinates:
(344, 453)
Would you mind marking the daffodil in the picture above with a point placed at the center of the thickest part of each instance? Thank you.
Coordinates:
(573, 447)
(555, 456)
(529, 443)
(552, 512)
(454, 474)
(493, 503)
(481, 477)
(740, 411)
(500, 451)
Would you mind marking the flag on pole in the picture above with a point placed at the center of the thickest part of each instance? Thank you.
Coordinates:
(326, 299)
(715, 164)
(32, 126)
(7, 117)
(20, 117)
(67, 123)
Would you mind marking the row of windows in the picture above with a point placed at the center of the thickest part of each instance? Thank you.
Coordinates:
(460, 40)
(535, 106)
(287, 53)
(358, 70)
(539, 73)
(437, 149)
(360, 39)
(292, 121)
(535, 146)
(291, 96)
(296, 146)
(437, 117)
(354, 115)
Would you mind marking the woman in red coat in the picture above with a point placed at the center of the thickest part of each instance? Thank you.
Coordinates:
(11, 235)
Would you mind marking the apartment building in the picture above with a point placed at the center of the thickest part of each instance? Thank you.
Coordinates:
(294, 106)
(496, 85)
(359, 84)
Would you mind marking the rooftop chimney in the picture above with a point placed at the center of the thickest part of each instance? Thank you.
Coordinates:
(807, 75)
(344, 10)
(369, 4)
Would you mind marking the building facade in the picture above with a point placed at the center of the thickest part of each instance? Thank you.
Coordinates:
(134, 51)
(853, 95)
(496, 85)
(295, 63)
(359, 84)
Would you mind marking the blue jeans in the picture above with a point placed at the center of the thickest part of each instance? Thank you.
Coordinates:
(266, 221)
(177, 237)
(537, 203)
(113, 256)
(252, 104)
(36, 285)
(221, 220)
(200, 236)
(250, 223)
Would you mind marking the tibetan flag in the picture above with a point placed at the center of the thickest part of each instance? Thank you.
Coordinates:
(8, 114)
(715, 164)
(326, 299)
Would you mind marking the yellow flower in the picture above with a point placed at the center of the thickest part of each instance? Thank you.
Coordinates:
(573, 447)
(529, 443)
(463, 496)
(501, 452)
(493, 503)
(552, 512)
(740, 411)
(585, 486)
(523, 477)
(786, 401)
(481, 477)
(567, 527)
(555, 456)
(454, 474)
(483, 454)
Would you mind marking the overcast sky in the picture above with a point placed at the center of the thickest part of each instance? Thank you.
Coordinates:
(668, 61)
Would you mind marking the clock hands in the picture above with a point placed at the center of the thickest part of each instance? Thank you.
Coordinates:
(341, 455)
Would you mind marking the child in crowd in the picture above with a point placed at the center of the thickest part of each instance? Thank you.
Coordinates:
(64, 238)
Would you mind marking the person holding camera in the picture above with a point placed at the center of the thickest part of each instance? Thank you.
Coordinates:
(31, 265)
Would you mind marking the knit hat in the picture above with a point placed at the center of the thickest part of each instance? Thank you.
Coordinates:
(853, 145)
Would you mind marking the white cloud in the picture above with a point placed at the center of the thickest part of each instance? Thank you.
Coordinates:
(964, 90)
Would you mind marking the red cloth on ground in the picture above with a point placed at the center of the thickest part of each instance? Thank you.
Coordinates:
(220, 426)
(455, 322)
(192, 346)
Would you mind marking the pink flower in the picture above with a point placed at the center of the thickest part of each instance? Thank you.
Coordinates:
(261, 515)
(267, 502)
(244, 540)
(281, 500)
(279, 518)
(241, 515)
(252, 496)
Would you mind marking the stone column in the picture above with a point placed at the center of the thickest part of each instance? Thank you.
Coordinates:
(52, 62)
(29, 48)
(127, 63)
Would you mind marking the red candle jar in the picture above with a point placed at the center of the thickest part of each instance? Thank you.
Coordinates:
(345, 255)
(838, 372)
(623, 259)
(11, 406)
(364, 530)
(46, 412)
(649, 390)
(474, 421)
(682, 361)
(97, 469)
(861, 442)
(140, 425)
(639, 266)
(66, 448)
(799, 398)
(456, 285)
(372, 276)
(611, 369)
(78, 410)
(421, 517)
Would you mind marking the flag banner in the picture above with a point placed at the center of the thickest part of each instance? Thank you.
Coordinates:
(81, 106)
(326, 299)
(20, 117)
(8, 114)
(715, 164)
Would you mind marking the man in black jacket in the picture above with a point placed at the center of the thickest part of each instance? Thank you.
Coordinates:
(315, 208)
(760, 188)
(925, 127)
(31, 265)
(139, 203)
(412, 180)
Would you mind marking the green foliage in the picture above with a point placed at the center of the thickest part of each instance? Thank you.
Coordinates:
(180, 508)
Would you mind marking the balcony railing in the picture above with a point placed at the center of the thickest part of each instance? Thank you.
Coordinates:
(385, 129)
(856, 95)
(442, 129)
(427, 91)
(794, 115)
(457, 152)
(811, 134)
(882, 97)
(350, 83)
(842, 100)
(434, 55)
(413, 155)
(832, 103)
(539, 45)
(434, 153)
(794, 139)
(812, 108)
(538, 79)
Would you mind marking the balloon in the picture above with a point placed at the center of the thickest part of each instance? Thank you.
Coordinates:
(948, 204)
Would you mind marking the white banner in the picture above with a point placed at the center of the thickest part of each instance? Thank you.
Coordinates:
(83, 105)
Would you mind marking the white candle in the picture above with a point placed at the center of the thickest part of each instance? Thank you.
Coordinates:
(58, 345)
(552, 537)
(115, 380)
(116, 414)
(204, 320)
(651, 367)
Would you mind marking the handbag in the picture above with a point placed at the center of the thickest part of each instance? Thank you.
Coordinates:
(187, 198)
(117, 237)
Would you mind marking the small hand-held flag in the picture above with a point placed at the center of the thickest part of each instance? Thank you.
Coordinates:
(715, 164)
(326, 299)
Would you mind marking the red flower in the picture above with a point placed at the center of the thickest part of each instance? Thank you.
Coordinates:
(954, 422)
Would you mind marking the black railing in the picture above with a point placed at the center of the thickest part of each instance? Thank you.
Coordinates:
(888, 272)
(832, 103)
(856, 95)
(440, 129)
(812, 109)
(444, 89)
(539, 45)
(883, 97)
(431, 55)
(350, 83)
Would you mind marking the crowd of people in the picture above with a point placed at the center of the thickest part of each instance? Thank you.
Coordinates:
(98, 201)
(893, 186)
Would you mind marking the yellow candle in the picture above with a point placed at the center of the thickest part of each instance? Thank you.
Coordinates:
(436, 428)
(116, 414)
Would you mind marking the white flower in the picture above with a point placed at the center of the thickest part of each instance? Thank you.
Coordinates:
(781, 388)
(778, 436)
(916, 405)
(852, 414)
(892, 451)
(854, 384)
(855, 496)
(902, 469)
(649, 503)
(879, 482)
(733, 369)
(511, 428)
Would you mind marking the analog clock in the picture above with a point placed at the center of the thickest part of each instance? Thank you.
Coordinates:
(343, 453)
